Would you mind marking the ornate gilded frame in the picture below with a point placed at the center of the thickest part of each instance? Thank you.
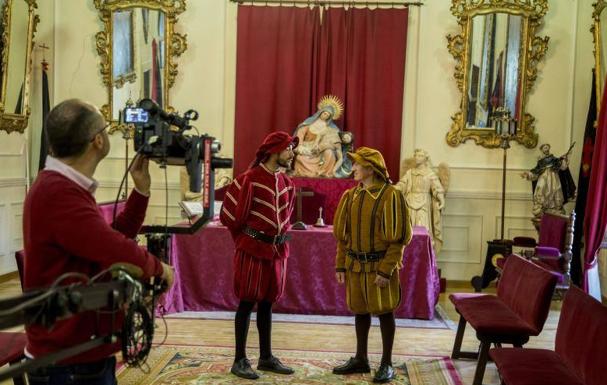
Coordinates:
(11, 122)
(533, 49)
(598, 7)
(175, 46)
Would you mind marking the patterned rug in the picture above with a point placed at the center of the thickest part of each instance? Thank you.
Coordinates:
(192, 365)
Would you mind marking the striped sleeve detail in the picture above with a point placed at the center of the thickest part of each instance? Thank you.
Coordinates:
(265, 203)
(263, 217)
(235, 207)
(286, 189)
(231, 197)
(226, 212)
(263, 187)
(396, 231)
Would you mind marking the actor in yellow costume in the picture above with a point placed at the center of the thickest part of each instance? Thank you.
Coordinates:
(372, 228)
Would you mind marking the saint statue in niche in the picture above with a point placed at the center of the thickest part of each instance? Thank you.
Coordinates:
(424, 192)
(322, 145)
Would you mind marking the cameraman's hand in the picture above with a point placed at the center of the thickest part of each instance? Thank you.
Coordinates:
(168, 274)
(141, 174)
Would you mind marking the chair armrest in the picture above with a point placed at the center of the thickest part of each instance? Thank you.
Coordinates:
(547, 252)
(524, 242)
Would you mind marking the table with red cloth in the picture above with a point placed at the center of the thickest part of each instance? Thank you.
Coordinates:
(203, 274)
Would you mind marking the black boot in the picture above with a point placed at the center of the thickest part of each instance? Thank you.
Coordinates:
(385, 373)
(242, 368)
(273, 364)
(353, 365)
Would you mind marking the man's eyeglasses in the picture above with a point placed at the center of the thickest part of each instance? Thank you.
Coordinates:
(100, 131)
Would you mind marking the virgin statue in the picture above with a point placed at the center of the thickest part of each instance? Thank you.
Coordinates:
(321, 143)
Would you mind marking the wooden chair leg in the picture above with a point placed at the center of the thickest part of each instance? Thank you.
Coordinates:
(483, 355)
(459, 337)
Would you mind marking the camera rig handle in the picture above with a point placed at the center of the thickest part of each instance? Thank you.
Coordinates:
(46, 306)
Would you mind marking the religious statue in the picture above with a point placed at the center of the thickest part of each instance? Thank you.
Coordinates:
(551, 183)
(424, 192)
(322, 145)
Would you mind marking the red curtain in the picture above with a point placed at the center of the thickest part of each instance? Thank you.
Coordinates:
(362, 61)
(274, 73)
(595, 218)
(286, 62)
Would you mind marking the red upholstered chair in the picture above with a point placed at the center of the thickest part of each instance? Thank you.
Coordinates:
(579, 355)
(11, 351)
(553, 249)
(518, 311)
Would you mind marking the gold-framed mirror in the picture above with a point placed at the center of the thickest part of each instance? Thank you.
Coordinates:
(496, 52)
(137, 48)
(19, 21)
(599, 36)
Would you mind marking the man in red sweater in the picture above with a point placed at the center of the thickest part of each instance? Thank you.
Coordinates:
(64, 231)
(256, 209)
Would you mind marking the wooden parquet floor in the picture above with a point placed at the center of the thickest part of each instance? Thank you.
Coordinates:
(338, 337)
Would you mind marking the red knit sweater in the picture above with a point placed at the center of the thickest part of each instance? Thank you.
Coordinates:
(63, 232)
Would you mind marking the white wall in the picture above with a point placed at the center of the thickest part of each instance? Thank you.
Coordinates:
(206, 82)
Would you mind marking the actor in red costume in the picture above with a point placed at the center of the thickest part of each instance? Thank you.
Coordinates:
(256, 209)
(64, 231)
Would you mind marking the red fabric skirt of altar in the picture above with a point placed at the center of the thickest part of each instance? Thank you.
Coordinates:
(203, 279)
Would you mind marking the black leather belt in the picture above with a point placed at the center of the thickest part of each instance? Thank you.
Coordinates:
(271, 239)
(367, 257)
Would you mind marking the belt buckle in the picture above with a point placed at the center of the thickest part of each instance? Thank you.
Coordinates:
(364, 255)
(275, 241)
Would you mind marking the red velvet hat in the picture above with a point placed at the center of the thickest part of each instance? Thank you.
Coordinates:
(274, 143)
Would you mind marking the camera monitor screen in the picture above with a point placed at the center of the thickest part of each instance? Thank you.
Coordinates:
(135, 115)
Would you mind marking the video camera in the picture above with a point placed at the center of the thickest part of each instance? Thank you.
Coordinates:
(160, 136)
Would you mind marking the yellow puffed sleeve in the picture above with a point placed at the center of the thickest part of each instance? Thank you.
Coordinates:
(396, 231)
(340, 230)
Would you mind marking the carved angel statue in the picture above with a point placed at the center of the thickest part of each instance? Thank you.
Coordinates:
(424, 192)
(321, 150)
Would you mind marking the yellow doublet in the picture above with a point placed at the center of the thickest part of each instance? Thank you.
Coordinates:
(370, 220)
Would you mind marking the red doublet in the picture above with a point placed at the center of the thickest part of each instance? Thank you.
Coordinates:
(263, 201)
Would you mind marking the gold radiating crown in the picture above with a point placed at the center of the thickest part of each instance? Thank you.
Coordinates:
(333, 102)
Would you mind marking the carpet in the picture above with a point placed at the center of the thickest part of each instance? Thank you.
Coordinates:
(211, 365)
(440, 321)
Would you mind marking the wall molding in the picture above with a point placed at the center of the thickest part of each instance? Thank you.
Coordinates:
(471, 254)
(488, 195)
(12, 182)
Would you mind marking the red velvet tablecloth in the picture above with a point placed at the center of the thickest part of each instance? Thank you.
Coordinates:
(203, 265)
(327, 193)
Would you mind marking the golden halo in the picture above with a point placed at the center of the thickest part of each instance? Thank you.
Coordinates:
(333, 102)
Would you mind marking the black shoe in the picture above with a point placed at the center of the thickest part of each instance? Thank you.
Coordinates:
(273, 364)
(242, 368)
(385, 373)
(353, 365)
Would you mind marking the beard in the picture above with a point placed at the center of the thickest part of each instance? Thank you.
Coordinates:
(285, 163)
